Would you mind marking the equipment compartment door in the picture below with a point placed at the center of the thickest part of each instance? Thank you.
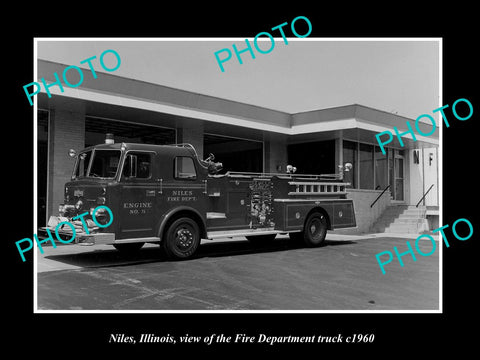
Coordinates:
(343, 215)
(229, 197)
(237, 203)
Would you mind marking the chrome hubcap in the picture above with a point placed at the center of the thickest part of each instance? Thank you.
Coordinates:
(316, 227)
(184, 238)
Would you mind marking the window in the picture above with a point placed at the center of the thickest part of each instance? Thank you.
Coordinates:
(350, 156)
(366, 166)
(381, 169)
(227, 150)
(369, 166)
(104, 163)
(185, 168)
(399, 174)
(313, 157)
(137, 165)
(82, 164)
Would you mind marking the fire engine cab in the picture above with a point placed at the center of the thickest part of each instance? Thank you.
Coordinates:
(166, 194)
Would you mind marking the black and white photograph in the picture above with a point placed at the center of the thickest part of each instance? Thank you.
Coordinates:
(273, 189)
(200, 182)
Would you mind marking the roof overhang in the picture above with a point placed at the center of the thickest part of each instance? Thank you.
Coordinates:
(357, 122)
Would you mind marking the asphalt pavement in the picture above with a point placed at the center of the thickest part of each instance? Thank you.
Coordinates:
(232, 275)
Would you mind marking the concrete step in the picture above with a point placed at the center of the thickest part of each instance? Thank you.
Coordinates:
(412, 212)
(402, 219)
(420, 207)
(406, 207)
(411, 222)
(396, 208)
(401, 229)
(402, 222)
(415, 210)
(406, 228)
(404, 211)
(410, 216)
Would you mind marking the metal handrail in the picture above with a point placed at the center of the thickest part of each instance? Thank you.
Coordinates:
(423, 197)
(379, 196)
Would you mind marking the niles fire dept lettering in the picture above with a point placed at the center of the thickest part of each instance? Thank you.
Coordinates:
(182, 195)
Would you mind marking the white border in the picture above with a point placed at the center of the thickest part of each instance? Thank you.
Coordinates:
(219, 118)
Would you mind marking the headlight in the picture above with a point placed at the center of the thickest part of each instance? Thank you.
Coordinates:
(79, 204)
(102, 217)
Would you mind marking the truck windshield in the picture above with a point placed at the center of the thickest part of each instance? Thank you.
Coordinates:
(104, 163)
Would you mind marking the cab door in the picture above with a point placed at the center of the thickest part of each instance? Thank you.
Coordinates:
(138, 195)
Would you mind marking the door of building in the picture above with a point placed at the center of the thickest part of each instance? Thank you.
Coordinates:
(396, 164)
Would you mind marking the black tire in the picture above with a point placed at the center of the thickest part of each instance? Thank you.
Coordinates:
(129, 248)
(181, 238)
(261, 239)
(315, 230)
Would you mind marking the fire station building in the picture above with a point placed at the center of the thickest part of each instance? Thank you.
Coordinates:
(243, 137)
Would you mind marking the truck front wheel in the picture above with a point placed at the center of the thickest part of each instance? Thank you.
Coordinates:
(182, 238)
(315, 230)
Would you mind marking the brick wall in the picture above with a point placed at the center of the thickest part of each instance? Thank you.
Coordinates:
(364, 214)
(66, 131)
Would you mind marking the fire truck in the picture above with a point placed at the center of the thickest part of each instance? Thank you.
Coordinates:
(167, 195)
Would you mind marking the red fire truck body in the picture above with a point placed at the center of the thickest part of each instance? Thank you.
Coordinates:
(165, 194)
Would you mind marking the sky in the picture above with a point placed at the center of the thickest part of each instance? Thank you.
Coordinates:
(400, 76)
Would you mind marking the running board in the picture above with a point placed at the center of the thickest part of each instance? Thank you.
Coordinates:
(143, 239)
(244, 232)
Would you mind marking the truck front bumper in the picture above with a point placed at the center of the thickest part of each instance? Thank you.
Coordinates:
(95, 239)
(81, 238)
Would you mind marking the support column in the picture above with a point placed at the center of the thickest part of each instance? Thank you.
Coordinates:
(275, 150)
(339, 152)
(191, 132)
(66, 131)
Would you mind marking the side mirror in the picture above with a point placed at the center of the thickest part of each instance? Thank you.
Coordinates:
(72, 153)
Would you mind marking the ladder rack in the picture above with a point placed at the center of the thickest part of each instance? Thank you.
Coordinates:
(317, 188)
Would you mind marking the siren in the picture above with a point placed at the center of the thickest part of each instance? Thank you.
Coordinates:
(109, 139)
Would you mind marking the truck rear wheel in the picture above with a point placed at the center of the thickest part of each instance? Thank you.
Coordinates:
(182, 238)
(315, 230)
